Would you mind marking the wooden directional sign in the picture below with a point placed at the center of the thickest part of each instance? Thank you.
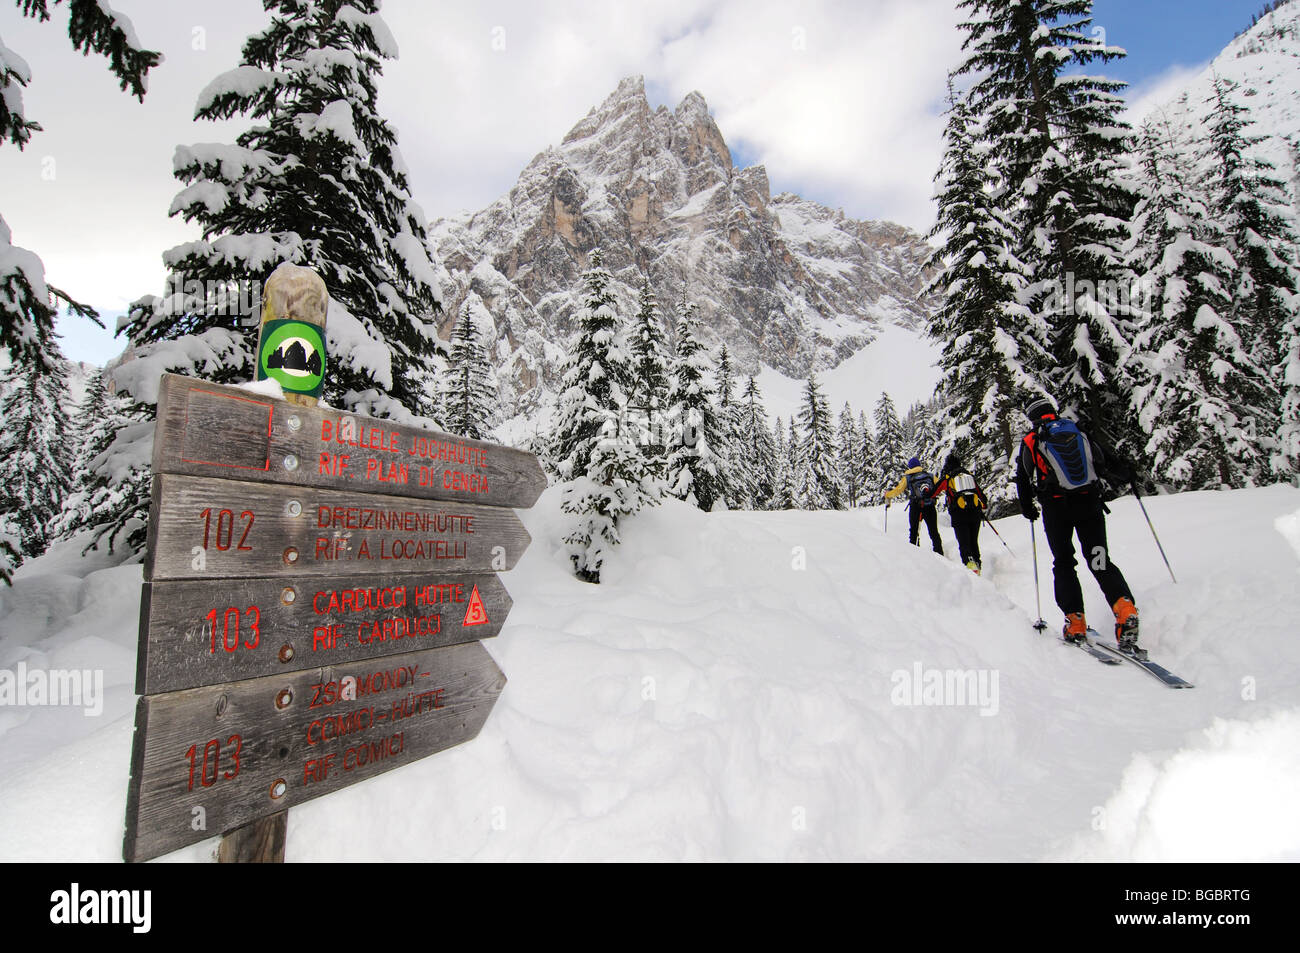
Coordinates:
(211, 759)
(214, 431)
(209, 632)
(206, 529)
(316, 586)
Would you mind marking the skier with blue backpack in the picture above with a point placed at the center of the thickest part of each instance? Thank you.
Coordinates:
(919, 484)
(1061, 469)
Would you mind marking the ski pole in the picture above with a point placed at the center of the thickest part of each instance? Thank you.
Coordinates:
(997, 534)
(886, 519)
(1153, 532)
(1040, 625)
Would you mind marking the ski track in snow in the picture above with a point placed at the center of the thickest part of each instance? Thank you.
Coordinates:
(741, 687)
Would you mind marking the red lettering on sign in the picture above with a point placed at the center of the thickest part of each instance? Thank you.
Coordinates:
(440, 592)
(230, 628)
(468, 482)
(333, 464)
(211, 767)
(317, 769)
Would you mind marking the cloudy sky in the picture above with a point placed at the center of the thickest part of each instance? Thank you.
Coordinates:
(840, 101)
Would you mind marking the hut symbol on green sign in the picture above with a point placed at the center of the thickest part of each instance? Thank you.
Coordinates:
(293, 354)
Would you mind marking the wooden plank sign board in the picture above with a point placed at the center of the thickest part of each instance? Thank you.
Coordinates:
(208, 632)
(206, 529)
(317, 584)
(215, 431)
(211, 759)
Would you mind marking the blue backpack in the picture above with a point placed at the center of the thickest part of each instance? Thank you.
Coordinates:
(1063, 455)
(919, 486)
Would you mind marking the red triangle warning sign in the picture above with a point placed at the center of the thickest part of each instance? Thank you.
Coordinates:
(475, 614)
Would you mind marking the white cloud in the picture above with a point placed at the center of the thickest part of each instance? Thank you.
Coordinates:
(839, 100)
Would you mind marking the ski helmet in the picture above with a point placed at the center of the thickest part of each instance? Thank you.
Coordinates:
(1039, 408)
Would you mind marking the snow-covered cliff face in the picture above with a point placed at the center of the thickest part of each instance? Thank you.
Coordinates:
(784, 281)
(1265, 63)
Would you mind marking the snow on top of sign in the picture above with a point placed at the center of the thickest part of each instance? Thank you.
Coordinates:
(267, 388)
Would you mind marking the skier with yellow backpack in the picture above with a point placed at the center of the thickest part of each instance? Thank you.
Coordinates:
(966, 505)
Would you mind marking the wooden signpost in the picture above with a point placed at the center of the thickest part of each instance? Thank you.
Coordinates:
(317, 584)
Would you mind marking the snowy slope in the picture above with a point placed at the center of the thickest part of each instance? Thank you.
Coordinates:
(898, 362)
(741, 688)
(1265, 62)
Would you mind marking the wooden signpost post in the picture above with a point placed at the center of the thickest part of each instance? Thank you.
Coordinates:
(316, 587)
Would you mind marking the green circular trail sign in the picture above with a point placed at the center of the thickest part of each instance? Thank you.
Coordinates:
(293, 354)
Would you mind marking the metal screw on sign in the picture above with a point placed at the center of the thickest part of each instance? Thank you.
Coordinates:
(284, 698)
(278, 789)
(288, 596)
(293, 508)
(286, 653)
(291, 555)
(291, 463)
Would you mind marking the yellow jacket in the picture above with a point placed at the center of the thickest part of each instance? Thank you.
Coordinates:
(902, 484)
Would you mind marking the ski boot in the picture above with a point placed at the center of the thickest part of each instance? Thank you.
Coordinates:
(1126, 629)
(973, 566)
(1076, 628)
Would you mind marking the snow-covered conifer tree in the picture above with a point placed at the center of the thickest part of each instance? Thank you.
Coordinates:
(847, 444)
(695, 468)
(648, 399)
(1250, 203)
(35, 452)
(99, 418)
(591, 447)
(817, 482)
(316, 180)
(757, 467)
(889, 440)
(993, 346)
(729, 423)
(1058, 143)
(868, 461)
(1200, 397)
(468, 393)
(783, 477)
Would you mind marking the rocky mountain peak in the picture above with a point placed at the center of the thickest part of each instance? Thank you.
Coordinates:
(785, 282)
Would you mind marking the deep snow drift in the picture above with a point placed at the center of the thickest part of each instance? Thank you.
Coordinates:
(770, 686)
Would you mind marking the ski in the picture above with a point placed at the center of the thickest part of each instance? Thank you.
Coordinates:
(1092, 650)
(1154, 670)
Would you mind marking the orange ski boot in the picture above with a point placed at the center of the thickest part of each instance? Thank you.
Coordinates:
(1076, 627)
(1126, 627)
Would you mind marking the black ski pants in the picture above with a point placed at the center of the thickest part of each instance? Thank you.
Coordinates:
(1080, 514)
(915, 513)
(967, 531)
